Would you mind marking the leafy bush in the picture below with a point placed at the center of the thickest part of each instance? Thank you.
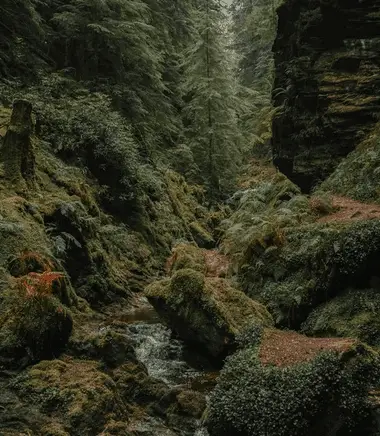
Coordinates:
(304, 399)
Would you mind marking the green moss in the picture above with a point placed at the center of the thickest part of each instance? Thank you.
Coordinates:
(316, 262)
(205, 311)
(358, 175)
(159, 288)
(34, 327)
(304, 399)
(76, 391)
(186, 283)
(352, 314)
(201, 236)
(187, 256)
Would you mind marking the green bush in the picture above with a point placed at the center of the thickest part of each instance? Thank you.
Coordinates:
(307, 399)
(353, 314)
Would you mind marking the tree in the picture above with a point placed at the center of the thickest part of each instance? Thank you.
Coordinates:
(115, 45)
(254, 28)
(211, 105)
(21, 36)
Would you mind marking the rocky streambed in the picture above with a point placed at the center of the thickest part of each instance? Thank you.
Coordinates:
(167, 359)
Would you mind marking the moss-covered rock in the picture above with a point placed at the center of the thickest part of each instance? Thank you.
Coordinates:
(33, 328)
(205, 311)
(80, 396)
(315, 263)
(358, 176)
(188, 256)
(354, 313)
(282, 384)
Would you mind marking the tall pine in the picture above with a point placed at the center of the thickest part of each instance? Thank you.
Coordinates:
(211, 106)
(254, 28)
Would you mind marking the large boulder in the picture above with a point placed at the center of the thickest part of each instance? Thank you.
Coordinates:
(205, 311)
(281, 383)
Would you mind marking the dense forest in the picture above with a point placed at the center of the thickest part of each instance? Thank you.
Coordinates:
(189, 217)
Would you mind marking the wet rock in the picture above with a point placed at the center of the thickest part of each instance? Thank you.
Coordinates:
(108, 346)
(282, 383)
(191, 403)
(205, 311)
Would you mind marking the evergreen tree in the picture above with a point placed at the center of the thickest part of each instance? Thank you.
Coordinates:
(211, 108)
(254, 28)
(115, 44)
(21, 37)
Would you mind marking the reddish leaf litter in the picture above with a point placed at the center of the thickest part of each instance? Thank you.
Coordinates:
(351, 210)
(286, 348)
(217, 264)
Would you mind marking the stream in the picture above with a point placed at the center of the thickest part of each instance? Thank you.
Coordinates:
(167, 359)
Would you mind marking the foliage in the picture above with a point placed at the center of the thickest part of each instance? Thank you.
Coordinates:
(351, 314)
(304, 399)
(211, 108)
(254, 24)
(115, 44)
(21, 38)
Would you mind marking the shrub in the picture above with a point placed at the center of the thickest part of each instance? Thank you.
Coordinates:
(304, 399)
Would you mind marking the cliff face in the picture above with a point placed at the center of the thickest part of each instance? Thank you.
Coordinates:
(327, 58)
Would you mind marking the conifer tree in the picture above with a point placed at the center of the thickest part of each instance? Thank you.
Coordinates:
(115, 44)
(211, 108)
(254, 28)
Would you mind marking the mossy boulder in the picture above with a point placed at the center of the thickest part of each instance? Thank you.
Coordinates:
(205, 311)
(112, 348)
(81, 397)
(33, 327)
(186, 255)
(282, 384)
(354, 313)
(315, 263)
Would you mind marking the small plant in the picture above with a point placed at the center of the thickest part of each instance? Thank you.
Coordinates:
(39, 284)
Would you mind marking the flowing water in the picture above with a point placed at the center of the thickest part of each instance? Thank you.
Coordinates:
(166, 359)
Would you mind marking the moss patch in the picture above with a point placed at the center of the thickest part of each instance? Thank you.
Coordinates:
(205, 311)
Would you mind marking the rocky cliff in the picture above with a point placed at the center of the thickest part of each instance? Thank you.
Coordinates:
(327, 60)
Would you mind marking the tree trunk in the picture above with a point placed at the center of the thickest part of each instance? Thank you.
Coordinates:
(17, 152)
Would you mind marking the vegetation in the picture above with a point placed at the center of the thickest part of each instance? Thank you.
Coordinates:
(310, 397)
(204, 310)
(254, 30)
(125, 127)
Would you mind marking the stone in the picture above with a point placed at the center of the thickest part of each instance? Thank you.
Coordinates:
(327, 66)
(205, 311)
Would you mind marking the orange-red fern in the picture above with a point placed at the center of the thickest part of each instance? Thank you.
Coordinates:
(39, 284)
